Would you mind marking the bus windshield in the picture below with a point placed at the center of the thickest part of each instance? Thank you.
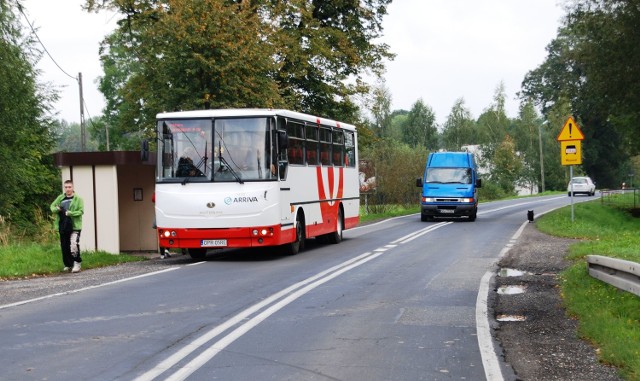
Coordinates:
(219, 150)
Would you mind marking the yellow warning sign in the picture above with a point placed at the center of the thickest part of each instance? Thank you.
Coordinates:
(570, 131)
(571, 152)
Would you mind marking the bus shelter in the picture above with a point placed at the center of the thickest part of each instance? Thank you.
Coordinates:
(117, 189)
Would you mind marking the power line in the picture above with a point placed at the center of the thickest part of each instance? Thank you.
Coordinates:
(83, 104)
(42, 44)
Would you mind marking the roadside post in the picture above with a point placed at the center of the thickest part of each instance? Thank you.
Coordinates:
(570, 139)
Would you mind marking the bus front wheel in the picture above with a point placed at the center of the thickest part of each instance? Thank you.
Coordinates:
(198, 253)
(294, 247)
(336, 236)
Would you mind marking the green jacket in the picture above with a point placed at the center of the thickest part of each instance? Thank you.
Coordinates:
(76, 210)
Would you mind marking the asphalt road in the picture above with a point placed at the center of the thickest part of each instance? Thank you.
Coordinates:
(396, 300)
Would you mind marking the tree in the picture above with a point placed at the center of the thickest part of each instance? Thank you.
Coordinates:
(507, 166)
(556, 176)
(178, 54)
(185, 55)
(69, 137)
(493, 124)
(399, 120)
(325, 47)
(28, 176)
(380, 108)
(459, 129)
(420, 129)
(592, 64)
(527, 128)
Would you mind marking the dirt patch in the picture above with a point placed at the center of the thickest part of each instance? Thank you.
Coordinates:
(543, 344)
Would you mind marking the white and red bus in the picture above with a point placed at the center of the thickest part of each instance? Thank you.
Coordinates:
(253, 178)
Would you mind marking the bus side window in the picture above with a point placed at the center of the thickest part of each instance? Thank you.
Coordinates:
(311, 143)
(338, 147)
(296, 142)
(325, 146)
(350, 149)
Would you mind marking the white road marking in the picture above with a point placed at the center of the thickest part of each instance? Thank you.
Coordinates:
(86, 288)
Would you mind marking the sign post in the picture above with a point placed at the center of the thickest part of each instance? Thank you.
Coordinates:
(570, 139)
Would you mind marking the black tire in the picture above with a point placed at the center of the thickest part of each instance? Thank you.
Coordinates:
(336, 237)
(294, 248)
(473, 216)
(197, 253)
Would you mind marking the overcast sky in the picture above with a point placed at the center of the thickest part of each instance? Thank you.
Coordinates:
(445, 50)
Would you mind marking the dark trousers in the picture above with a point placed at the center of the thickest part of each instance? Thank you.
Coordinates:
(70, 246)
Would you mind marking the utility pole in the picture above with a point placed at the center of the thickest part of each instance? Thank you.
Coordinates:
(83, 135)
(541, 157)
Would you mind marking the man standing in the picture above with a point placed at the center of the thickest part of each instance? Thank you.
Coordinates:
(69, 208)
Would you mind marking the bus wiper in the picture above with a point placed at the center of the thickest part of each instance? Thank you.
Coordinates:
(227, 166)
(203, 160)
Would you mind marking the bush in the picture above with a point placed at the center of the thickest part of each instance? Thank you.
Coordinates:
(40, 230)
(396, 168)
(491, 191)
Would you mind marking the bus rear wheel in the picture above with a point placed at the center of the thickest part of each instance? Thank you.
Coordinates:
(197, 253)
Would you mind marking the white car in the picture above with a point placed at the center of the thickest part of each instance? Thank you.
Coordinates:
(582, 185)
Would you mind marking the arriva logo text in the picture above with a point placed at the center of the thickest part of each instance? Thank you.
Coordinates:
(235, 200)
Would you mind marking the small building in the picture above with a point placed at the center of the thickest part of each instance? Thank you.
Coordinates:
(117, 188)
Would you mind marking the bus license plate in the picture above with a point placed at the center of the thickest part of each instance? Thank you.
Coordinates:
(213, 242)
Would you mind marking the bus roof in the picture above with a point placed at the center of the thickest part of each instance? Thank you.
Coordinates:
(226, 113)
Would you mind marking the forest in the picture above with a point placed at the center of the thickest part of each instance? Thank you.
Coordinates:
(315, 56)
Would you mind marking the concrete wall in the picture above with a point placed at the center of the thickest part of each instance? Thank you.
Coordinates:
(136, 216)
(107, 234)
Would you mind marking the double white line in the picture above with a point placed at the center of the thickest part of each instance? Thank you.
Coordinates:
(274, 303)
(262, 311)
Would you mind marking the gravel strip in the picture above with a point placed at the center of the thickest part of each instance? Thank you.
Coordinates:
(545, 346)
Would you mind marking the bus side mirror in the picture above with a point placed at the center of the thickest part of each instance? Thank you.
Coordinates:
(144, 150)
(419, 182)
(282, 169)
(283, 140)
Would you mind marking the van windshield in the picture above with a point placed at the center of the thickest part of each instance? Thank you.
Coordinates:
(449, 175)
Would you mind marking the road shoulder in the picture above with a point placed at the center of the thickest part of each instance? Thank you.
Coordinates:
(545, 346)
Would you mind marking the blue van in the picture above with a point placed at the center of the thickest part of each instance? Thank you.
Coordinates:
(449, 186)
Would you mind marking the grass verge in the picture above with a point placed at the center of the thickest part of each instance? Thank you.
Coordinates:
(609, 318)
(30, 260)
(380, 212)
